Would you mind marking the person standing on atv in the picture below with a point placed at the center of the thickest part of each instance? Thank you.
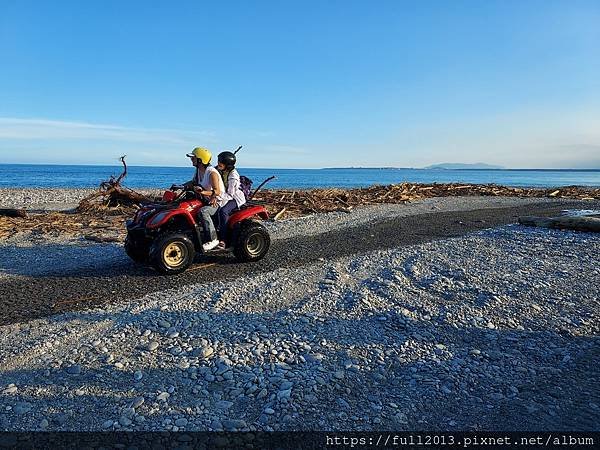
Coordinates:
(208, 183)
(233, 196)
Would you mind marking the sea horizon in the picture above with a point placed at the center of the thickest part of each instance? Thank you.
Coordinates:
(535, 169)
(161, 177)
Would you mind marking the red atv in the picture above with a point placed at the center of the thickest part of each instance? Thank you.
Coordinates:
(167, 234)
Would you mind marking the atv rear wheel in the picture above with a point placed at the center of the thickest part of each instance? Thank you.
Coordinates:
(251, 241)
(136, 250)
(172, 253)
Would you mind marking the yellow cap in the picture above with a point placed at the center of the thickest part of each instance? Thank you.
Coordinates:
(203, 154)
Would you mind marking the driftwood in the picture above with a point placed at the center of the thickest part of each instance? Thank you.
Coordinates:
(111, 194)
(564, 223)
(303, 202)
(103, 213)
(279, 214)
(261, 185)
(10, 212)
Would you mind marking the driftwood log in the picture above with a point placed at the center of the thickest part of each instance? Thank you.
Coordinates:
(563, 223)
(279, 214)
(112, 194)
(10, 212)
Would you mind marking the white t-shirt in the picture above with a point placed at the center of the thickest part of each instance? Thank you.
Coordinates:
(207, 185)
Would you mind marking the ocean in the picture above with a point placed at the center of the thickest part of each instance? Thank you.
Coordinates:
(71, 176)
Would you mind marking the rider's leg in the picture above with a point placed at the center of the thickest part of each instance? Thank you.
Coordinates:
(224, 214)
(208, 227)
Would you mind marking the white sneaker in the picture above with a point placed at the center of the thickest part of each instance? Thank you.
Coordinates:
(210, 245)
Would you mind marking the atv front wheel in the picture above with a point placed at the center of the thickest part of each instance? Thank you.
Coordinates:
(172, 253)
(251, 242)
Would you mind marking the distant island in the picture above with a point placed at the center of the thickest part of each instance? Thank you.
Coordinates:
(365, 168)
(443, 166)
(456, 166)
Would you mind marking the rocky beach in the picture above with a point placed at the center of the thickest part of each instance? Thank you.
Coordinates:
(439, 314)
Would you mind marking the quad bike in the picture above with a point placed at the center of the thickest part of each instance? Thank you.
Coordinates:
(167, 234)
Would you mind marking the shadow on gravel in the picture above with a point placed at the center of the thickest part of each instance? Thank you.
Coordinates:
(430, 376)
(93, 260)
(50, 260)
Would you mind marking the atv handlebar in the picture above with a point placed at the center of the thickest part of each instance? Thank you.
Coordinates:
(186, 193)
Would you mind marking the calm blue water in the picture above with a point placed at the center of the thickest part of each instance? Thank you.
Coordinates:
(58, 176)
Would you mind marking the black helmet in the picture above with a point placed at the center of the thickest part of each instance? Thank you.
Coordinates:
(227, 158)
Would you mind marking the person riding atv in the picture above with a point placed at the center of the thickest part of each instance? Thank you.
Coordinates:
(207, 182)
(207, 179)
(168, 234)
(233, 198)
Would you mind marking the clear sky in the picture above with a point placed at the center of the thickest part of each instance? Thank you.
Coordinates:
(302, 83)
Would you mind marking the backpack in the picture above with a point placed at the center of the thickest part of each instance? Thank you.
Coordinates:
(246, 186)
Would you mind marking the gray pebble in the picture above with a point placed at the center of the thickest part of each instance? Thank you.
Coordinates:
(137, 402)
(207, 352)
(231, 425)
(181, 422)
(74, 370)
(22, 407)
(224, 404)
(124, 421)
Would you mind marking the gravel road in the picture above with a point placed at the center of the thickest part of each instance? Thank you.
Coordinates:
(435, 321)
(70, 277)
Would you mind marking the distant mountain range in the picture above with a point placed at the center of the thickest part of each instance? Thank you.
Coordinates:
(443, 166)
(455, 166)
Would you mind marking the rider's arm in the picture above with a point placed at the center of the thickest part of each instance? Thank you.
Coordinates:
(214, 181)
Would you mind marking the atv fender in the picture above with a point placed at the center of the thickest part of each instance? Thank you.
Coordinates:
(162, 217)
(247, 213)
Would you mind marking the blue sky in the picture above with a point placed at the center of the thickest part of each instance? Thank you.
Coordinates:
(302, 84)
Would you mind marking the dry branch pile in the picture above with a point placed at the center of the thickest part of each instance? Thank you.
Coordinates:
(101, 226)
(100, 216)
(298, 203)
(111, 194)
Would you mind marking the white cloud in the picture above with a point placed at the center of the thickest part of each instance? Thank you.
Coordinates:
(43, 129)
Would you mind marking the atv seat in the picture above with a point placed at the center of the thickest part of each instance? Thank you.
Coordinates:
(248, 204)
